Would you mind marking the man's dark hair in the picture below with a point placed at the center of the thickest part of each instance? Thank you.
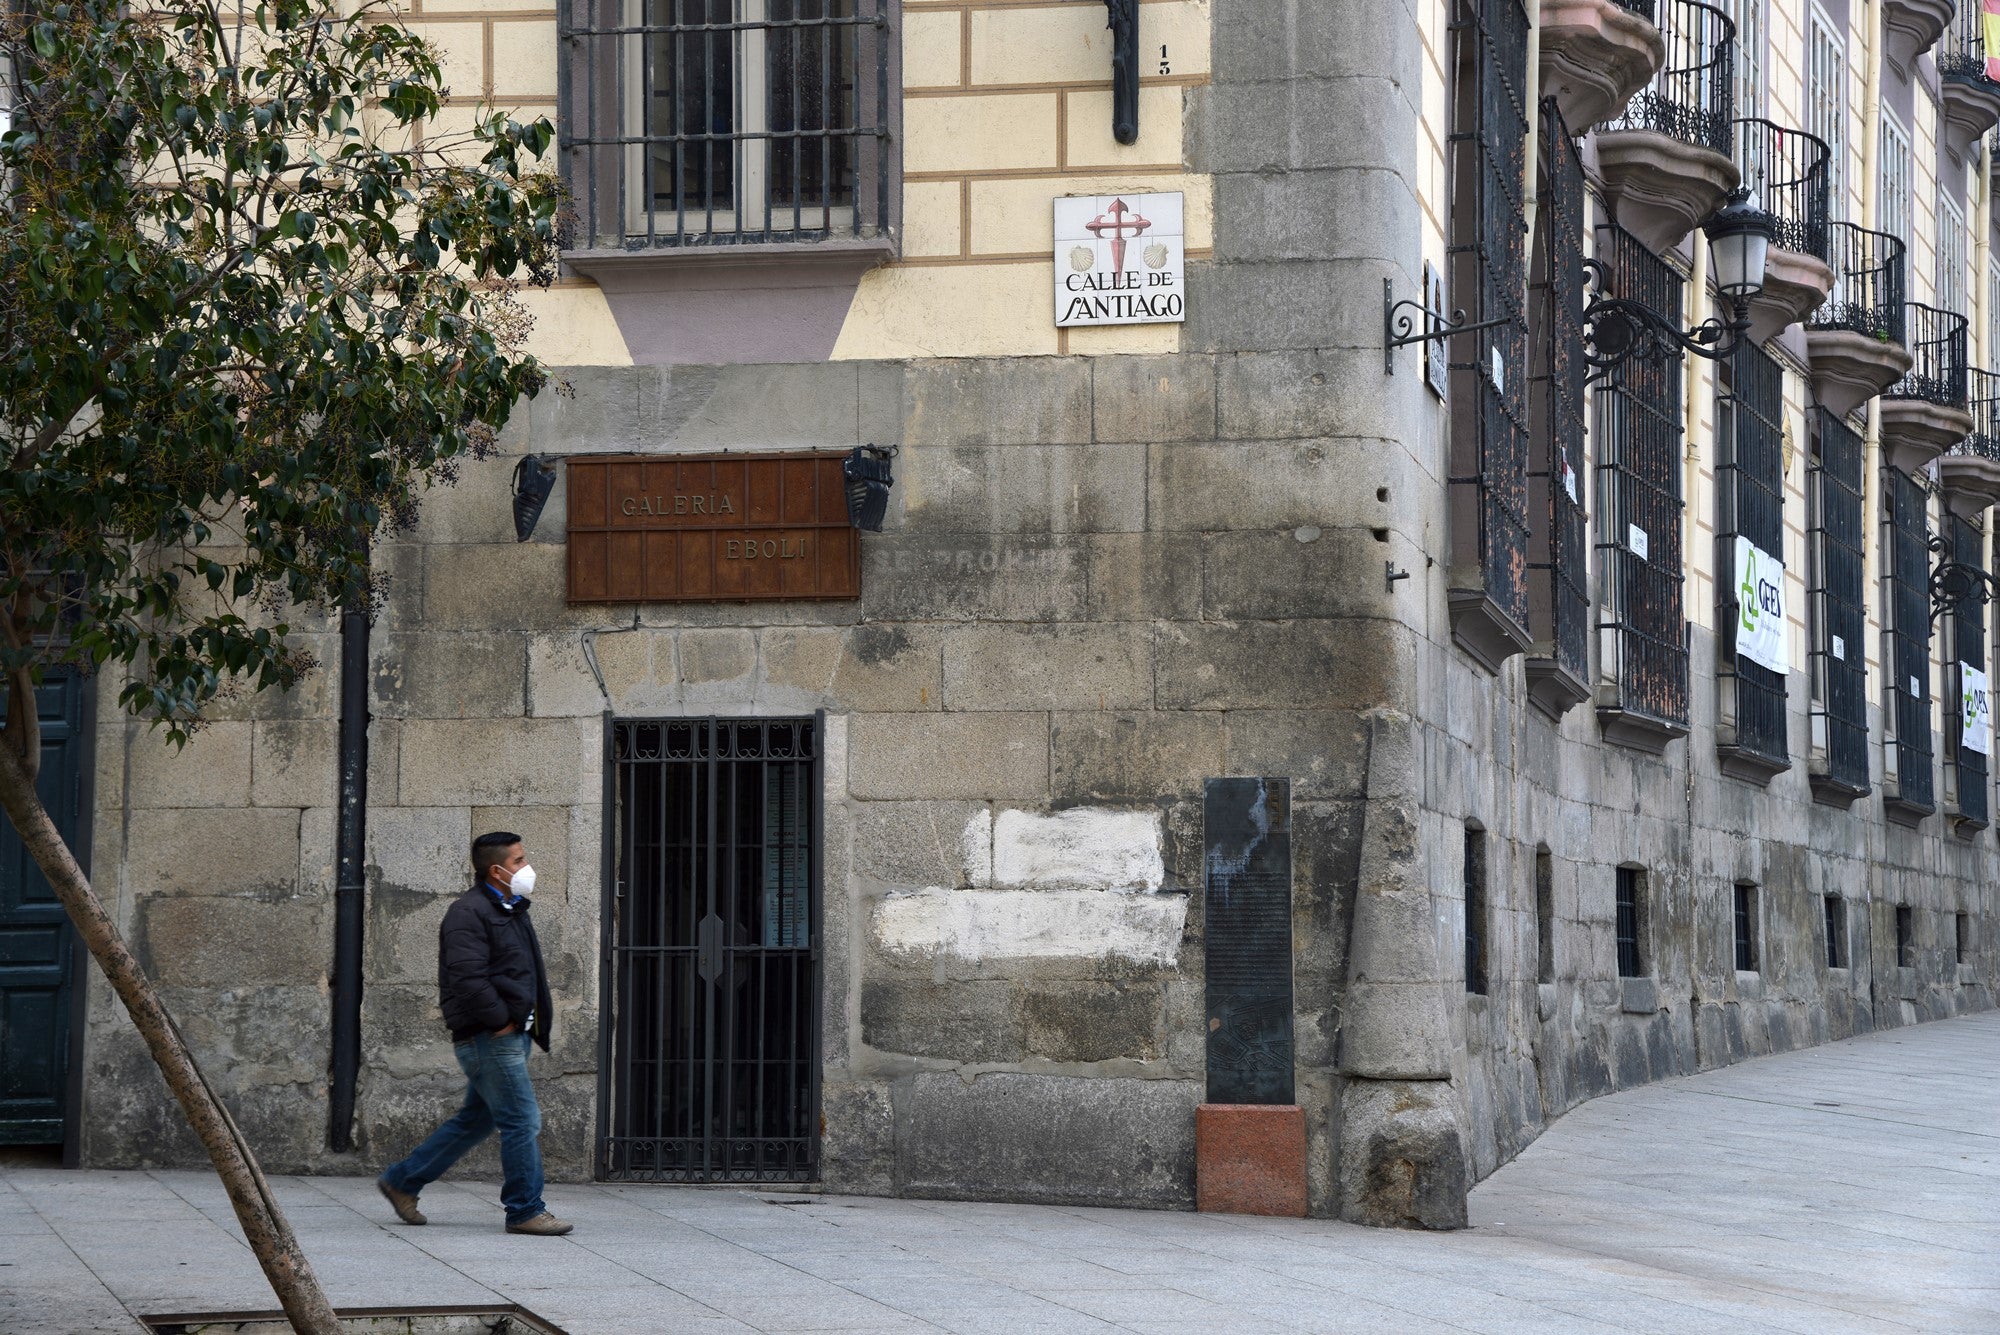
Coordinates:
(489, 849)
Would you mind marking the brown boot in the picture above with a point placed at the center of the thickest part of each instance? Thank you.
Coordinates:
(402, 1202)
(543, 1225)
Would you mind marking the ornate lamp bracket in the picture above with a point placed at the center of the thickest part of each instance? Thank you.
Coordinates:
(1397, 324)
(1954, 583)
(1617, 330)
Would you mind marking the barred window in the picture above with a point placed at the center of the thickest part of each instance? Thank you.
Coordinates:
(1892, 201)
(1629, 923)
(1968, 768)
(1836, 932)
(1951, 256)
(1475, 910)
(1906, 937)
(1909, 702)
(1558, 551)
(1826, 103)
(1750, 503)
(705, 122)
(1834, 542)
(1487, 258)
(1642, 623)
(1746, 927)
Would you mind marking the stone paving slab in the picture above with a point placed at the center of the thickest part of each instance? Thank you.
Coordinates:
(1853, 1187)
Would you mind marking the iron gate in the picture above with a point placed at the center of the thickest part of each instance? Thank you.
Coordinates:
(710, 1069)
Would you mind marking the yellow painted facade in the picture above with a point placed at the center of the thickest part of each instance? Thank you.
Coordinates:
(1005, 105)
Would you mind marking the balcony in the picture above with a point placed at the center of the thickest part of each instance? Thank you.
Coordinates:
(1912, 27)
(1596, 54)
(1665, 160)
(1786, 171)
(1857, 339)
(1925, 413)
(1969, 101)
(1969, 471)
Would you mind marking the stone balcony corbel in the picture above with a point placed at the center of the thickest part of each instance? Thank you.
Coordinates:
(1912, 27)
(1595, 55)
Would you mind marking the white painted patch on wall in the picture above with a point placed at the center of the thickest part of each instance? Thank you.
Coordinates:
(1033, 924)
(1084, 848)
(1083, 883)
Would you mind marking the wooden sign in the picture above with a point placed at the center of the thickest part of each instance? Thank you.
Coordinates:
(710, 528)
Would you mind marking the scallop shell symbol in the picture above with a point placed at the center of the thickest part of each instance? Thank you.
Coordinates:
(1081, 258)
(1156, 256)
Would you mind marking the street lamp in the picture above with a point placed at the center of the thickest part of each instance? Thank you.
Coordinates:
(1617, 329)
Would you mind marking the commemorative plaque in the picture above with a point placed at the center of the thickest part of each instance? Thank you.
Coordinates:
(710, 528)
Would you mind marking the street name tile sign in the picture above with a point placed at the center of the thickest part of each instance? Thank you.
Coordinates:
(710, 528)
(1120, 259)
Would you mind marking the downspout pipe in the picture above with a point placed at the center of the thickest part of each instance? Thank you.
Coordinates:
(350, 890)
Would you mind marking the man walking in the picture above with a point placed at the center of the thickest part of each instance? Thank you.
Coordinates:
(495, 998)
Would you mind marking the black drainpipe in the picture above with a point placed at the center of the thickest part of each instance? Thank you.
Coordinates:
(349, 893)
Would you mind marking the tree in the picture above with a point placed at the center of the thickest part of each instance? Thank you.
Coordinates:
(252, 302)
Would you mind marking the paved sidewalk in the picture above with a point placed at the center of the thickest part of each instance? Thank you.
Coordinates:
(1853, 1187)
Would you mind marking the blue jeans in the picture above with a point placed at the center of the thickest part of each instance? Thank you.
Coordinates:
(497, 1096)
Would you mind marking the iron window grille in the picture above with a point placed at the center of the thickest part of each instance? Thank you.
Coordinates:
(1968, 642)
(1631, 961)
(1487, 259)
(1836, 932)
(1642, 624)
(1870, 284)
(1475, 911)
(1545, 916)
(1558, 550)
(1750, 502)
(1835, 542)
(1910, 643)
(1962, 938)
(724, 122)
(1746, 928)
(709, 1069)
(1786, 171)
(1692, 97)
(1906, 938)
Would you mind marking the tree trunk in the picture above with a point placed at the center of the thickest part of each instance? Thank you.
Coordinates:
(264, 1225)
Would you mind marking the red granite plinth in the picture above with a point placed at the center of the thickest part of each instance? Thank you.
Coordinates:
(1250, 1158)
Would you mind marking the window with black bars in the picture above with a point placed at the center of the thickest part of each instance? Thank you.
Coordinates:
(1750, 503)
(1642, 623)
(1962, 937)
(721, 122)
(1906, 938)
(1558, 551)
(1746, 927)
(1475, 910)
(1487, 262)
(1631, 889)
(1836, 932)
(1910, 642)
(1834, 543)
(1968, 647)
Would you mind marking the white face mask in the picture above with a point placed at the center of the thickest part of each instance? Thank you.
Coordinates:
(524, 881)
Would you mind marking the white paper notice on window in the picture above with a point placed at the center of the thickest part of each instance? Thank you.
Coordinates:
(1916, 689)
(1635, 538)
(1975, 706)
(1760, 606)
(1840, 648)
(1569, 479)
(1499, 372)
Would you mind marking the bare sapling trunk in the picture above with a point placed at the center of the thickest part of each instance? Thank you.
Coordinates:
(264, 1225)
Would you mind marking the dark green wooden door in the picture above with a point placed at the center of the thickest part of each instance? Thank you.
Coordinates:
(39, 958)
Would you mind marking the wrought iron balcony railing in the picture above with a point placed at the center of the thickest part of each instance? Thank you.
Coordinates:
(1692, 97)
(1983, 398)
(1961, 51)
(1869, 284)
(1937, 348)
(1643, 8)
(1786, 171)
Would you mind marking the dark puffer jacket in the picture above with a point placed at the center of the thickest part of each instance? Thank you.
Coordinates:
(490, 968)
